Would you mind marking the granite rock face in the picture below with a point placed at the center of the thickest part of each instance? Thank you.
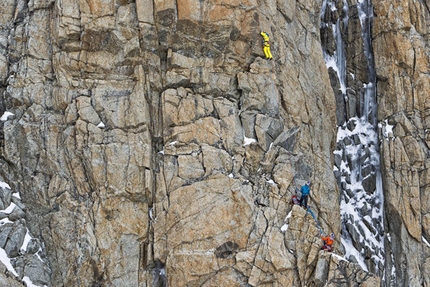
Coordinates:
(405, 129)
(152, 145)
(27, 260)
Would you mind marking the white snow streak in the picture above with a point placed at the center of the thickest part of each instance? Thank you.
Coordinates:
(425, 241)
(387, 129)
(248, 141)
(5, 116)
(4, 185)
(284, 227)
(27, 239)
(6, 261)
(351, 251)
(9, 209)
(29, 283)
(5, 220)
(271, 182)
(338, 257)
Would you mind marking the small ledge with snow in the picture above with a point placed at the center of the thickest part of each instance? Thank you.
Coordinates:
(271, 182)
(248, 141)
(5, 116)
(284, 227)
(387, 130)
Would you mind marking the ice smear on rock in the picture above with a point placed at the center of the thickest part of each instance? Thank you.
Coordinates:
(357, 164)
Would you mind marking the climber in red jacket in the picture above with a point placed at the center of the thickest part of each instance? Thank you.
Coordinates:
(328, 242)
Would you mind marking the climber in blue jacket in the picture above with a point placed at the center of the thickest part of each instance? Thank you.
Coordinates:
(305, 190)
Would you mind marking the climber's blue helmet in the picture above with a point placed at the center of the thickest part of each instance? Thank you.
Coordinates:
(308, 183)
(332, 235)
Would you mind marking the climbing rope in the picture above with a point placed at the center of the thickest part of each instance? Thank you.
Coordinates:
(309, 210)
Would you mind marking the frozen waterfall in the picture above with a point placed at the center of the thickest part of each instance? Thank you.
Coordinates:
(357, 160)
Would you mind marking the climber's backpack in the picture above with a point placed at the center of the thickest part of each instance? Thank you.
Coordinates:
(295, 200)
(327, 248)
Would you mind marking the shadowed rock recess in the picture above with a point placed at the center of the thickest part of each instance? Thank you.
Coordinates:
(149, 143)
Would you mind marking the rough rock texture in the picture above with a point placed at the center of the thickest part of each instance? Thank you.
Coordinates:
(27, 259)
(332, 270)
(401, 55)
(130, 142)
(400, 51)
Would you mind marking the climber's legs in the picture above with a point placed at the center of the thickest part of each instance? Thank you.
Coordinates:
(267, 52)
(304, 201)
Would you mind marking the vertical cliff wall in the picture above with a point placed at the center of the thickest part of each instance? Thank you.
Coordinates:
(399, 52)
(151, 144)
(401, 56)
